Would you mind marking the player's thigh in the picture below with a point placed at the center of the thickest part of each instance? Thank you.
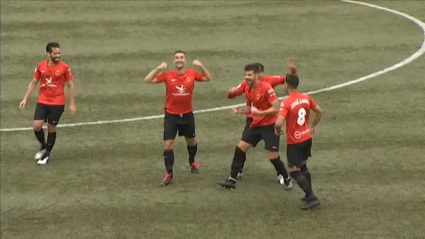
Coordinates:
(295, 154)
(252, 136)
(187, 126)
(271, 140)
(41, 112)
(170, 127)
(248, 122)
(54, 114)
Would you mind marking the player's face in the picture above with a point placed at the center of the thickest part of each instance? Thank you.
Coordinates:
(260, 75)
(55, 55)
(250, 77)
(179, 60)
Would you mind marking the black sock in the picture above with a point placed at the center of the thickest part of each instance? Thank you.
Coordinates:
(280, 167)
(238, 161)
(192, 152)
(306, 173)
(40, 137)
(169, 160)
(304, 184)
(51, 139)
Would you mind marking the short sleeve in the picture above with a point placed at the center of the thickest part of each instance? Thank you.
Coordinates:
(199, 76)
(283, 110)
(161, 77)
(313, 103)
(68, 74)
(271, 94)
(37, 73)
(277, 80)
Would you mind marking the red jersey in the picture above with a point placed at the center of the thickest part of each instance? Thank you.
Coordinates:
(52, 82)
(296, 109)
(272, 80)
(179, 90)
(261, 97)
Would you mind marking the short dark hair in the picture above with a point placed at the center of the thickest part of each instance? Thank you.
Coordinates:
(292, 81)
(51, 45)
(179, 51)
(252, 67)
(260, 66)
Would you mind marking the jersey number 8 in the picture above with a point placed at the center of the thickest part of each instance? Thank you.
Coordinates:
(301, 116)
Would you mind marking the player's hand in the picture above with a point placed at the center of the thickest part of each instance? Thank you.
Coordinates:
(22, 104)
(196, 63)
(162, 66)
(236, 110)
(233, 90)
(313, 130)
(255, 111)
(292, 65)
(278, 131)
(72, 109)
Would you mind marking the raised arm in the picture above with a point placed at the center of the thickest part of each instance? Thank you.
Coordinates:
(151, 77)
(206, 75)
(236, 91)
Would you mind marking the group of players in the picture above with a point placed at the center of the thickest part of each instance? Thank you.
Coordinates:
(264, 116)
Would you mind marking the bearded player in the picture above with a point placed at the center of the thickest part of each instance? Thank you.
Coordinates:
(52, 74)
(273, 81)
(295, 110)
(179, 117)
(262, 104)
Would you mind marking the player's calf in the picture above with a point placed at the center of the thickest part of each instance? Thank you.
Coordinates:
(192, 149)
(238, 159)
(302, 181)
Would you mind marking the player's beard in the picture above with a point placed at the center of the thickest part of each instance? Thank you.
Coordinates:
(55, 59)
(179, 65)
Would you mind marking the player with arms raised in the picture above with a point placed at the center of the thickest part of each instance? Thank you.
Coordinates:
(263, 104)
(52, 75)
(273, 81)
(178, 108)
(296, 111)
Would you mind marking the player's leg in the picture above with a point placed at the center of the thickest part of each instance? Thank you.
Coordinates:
(272, 141)
(188, 130)
(250, 139)
(248, 122)
(304, 169)
(170, 132)
(54, 115)
(296, 159)
(40, 116)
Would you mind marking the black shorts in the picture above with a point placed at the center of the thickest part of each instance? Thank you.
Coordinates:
(49, 113)
(254, 135)
(248, 122)
(297, 154)
(183, 124)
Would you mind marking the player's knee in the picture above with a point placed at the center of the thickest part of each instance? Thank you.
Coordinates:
(273, 155)
(169, 144)
(37, 125)
(244, 146)
(51, 128)
(191, 141)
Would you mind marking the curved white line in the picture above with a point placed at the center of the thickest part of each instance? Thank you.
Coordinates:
(413, 57)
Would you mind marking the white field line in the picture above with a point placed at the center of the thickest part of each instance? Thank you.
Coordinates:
(413, 57)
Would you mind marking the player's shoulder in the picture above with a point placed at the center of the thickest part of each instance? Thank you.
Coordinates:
(42, 64)
(63, 64)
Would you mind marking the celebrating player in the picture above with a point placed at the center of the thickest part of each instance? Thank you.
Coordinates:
(262, 104)
(178, 108)
(296, 111)
(273, 81)
(52, 75)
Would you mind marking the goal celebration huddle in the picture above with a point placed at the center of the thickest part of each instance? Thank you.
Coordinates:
(265, 116)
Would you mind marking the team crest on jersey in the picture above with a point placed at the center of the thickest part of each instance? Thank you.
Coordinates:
(188, 78)
(258, 96)
(57, 72)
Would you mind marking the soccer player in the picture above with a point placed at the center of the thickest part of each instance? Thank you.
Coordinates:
(52, 75)
(273, 81)
(296, 111)
(263, 105)
(178, 108)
